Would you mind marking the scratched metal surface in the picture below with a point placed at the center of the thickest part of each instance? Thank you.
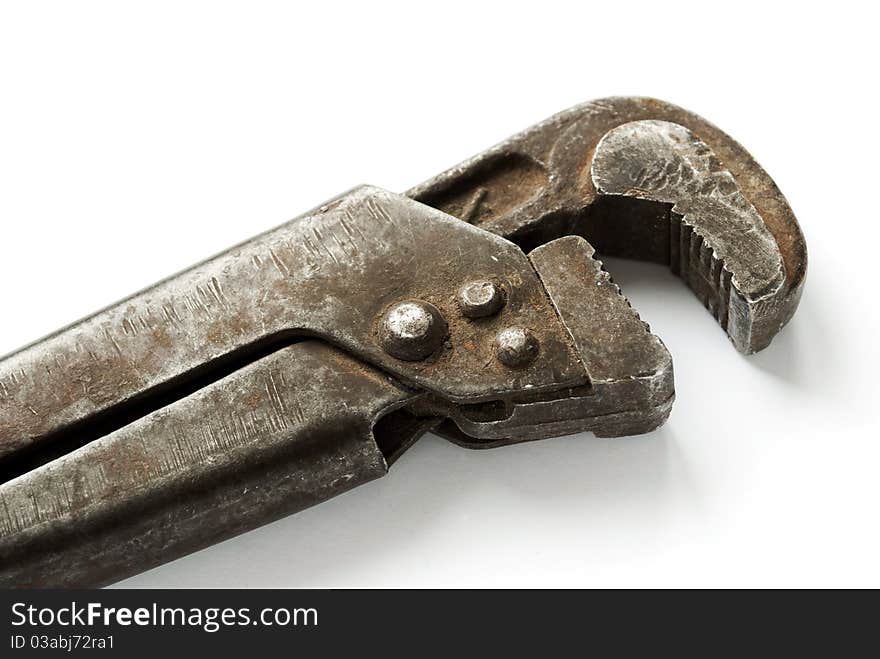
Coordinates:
(636, 177)
(282, 434)
(327, 274)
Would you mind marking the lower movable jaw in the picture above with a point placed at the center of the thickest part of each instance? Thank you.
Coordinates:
(630, 386)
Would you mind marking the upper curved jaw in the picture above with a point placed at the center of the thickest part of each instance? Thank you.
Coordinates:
(718, 242)
(644, 179)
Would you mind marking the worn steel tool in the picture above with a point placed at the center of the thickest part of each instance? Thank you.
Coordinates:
(303, 362)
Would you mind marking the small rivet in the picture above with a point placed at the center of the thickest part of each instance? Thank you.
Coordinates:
(516, 347)
(478, 299)
(412, 330)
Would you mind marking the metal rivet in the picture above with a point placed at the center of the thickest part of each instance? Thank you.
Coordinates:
(412, 330)
(515, 347)
(478, 299)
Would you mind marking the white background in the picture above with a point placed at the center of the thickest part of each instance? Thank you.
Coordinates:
(135, 141)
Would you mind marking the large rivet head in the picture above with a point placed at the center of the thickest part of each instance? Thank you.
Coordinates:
(481, 298)
(516, 347)
(412, 330)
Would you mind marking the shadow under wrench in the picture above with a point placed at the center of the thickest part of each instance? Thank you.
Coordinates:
(634, 481)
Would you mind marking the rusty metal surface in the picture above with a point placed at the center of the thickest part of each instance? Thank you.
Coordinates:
(329, 274)
(630, 374)
(541, 184)
(281, 434)
(306, 360)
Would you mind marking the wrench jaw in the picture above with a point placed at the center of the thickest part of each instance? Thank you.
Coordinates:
(630, 389)
(614, 171)
(713, 237)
